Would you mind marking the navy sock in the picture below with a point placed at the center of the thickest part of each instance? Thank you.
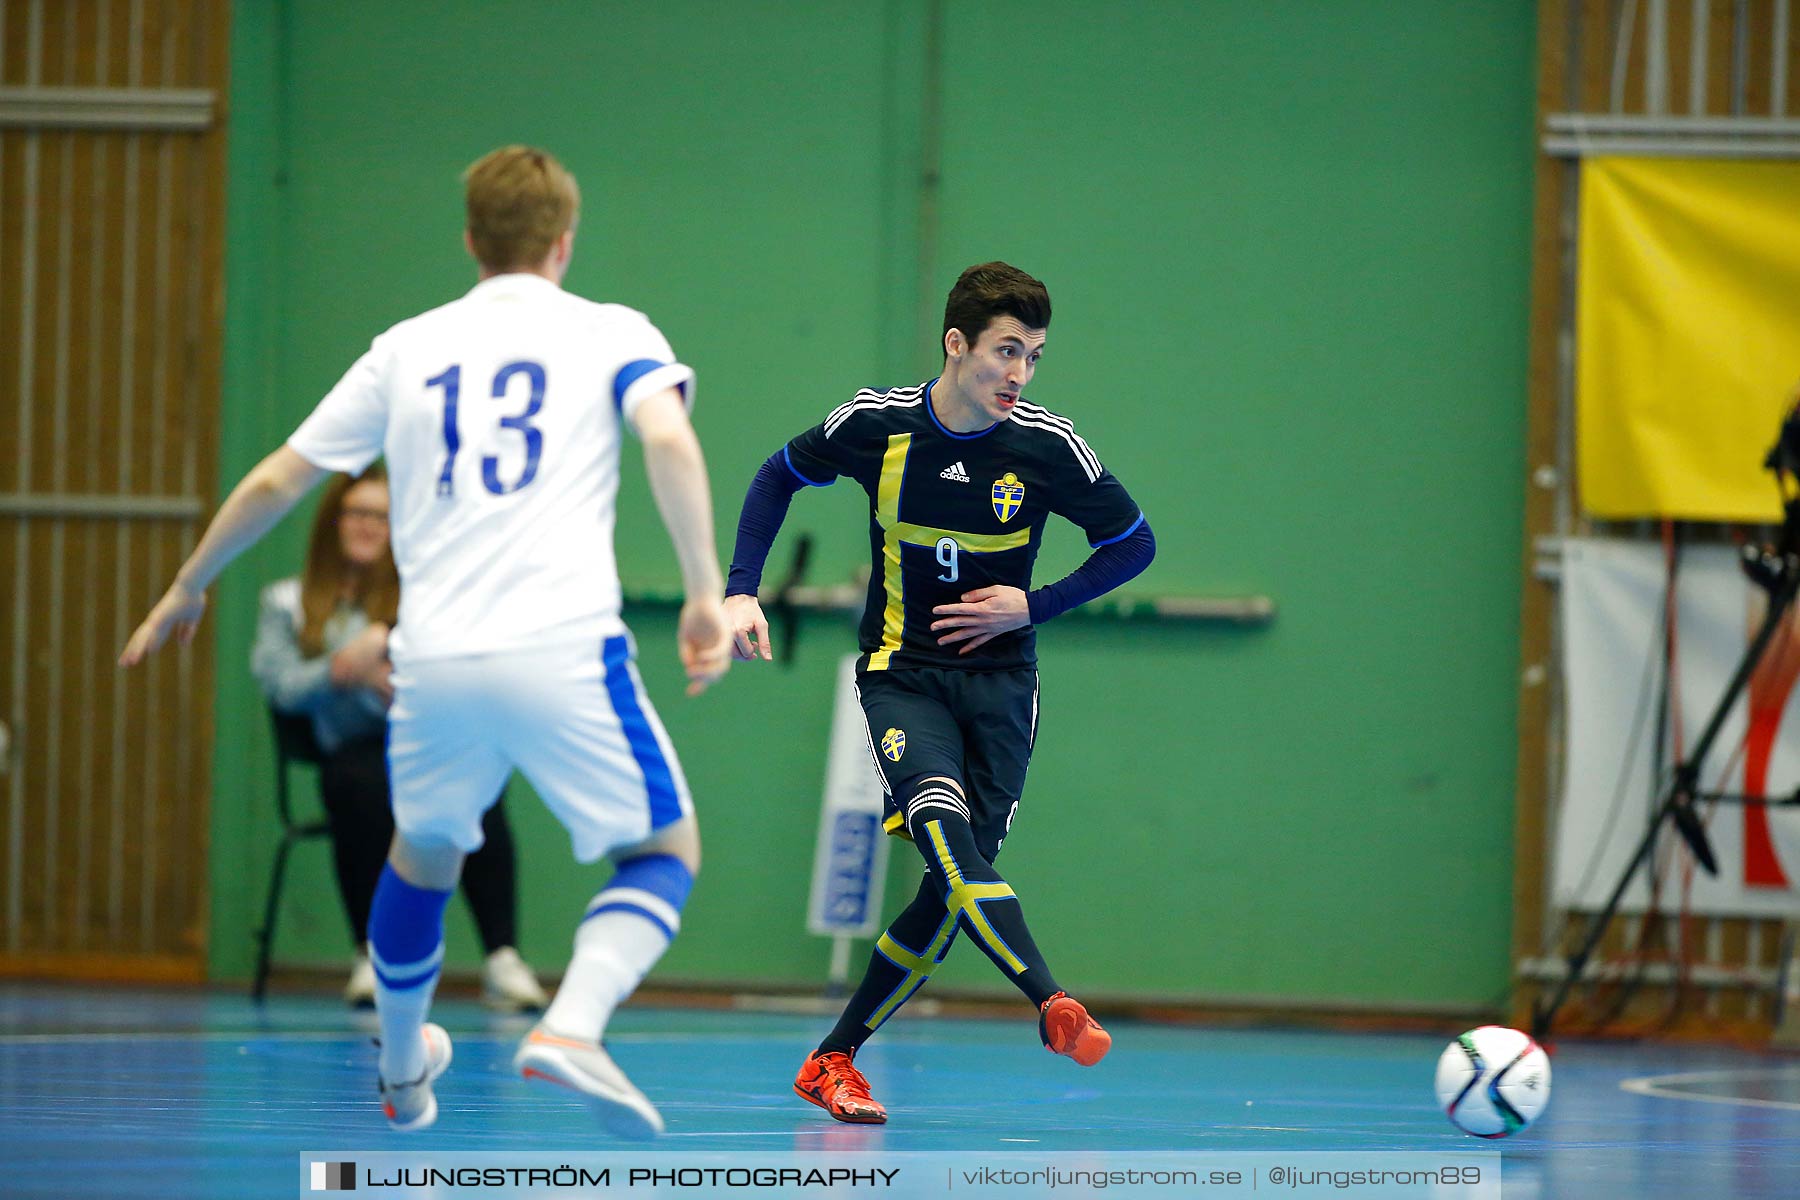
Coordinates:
(903, 959)
(981, 900)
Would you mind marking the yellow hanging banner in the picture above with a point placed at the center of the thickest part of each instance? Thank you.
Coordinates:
(1688, 334)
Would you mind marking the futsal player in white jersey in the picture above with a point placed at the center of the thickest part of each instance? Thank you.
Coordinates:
(501, 416)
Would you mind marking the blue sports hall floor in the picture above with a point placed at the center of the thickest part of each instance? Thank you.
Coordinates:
(166, 1093)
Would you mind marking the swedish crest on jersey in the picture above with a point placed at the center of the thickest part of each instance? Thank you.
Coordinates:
(1009, 494)
(893, 744)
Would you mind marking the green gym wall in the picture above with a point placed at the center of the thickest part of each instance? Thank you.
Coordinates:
(1288, 244)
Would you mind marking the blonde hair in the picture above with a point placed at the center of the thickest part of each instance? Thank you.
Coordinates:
(322, 582)
(519, 201)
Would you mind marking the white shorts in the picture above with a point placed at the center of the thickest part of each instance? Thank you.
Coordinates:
(573, 719)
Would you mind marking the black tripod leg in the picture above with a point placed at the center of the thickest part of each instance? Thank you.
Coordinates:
(1544, 1014)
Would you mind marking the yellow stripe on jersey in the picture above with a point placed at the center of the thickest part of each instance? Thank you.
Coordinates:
(887, 511)
(969, 543)
(896, 532)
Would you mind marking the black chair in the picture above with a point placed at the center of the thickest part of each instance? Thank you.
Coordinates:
(294, 743)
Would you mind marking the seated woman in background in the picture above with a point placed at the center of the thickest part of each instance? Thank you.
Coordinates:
(321, 650)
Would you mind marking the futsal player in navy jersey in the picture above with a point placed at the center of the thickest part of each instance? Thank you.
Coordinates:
(962, 473)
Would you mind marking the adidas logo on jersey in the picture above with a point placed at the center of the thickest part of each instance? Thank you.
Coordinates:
(954, 472)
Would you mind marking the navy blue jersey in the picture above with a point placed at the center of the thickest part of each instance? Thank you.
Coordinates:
(952, 512)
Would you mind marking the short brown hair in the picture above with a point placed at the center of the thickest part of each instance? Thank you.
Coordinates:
(520, 200)
(991, 289)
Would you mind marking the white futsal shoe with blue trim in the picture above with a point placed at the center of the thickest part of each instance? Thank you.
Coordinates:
(411, 1105)
(586, 1068)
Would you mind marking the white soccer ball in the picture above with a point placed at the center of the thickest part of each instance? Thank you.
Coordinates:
(1493, 1081)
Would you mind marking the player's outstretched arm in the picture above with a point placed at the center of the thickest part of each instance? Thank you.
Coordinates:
(765, 507)
(677, 470)
(260, 500)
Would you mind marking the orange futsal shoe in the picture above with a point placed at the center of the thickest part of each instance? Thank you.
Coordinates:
(1066, 1029)
(832, 1082)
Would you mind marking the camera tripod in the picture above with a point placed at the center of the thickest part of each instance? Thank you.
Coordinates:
(1776, 569)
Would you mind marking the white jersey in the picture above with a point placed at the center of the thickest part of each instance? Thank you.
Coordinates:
(500, 416)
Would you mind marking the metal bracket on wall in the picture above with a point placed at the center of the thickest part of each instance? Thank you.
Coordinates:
(1585, 135)
(1756, 978)
(148, 109)
(849, 598)
(1547, 554)
(51, 505)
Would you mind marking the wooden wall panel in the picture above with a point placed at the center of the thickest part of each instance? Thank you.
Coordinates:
(111, 251)
(1743, 71)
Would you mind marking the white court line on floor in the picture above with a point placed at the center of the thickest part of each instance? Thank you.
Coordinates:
(1660, 1085)
(319, 1035)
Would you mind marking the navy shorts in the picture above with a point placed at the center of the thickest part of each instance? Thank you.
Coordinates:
(974, 727)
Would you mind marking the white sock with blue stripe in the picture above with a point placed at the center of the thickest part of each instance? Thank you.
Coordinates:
(627, 928)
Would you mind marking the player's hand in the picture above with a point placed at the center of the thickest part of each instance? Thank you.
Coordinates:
(749, 629)
(380, 680)
(983, 615)
(178, 612)
(704, 639)
(362, 662)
